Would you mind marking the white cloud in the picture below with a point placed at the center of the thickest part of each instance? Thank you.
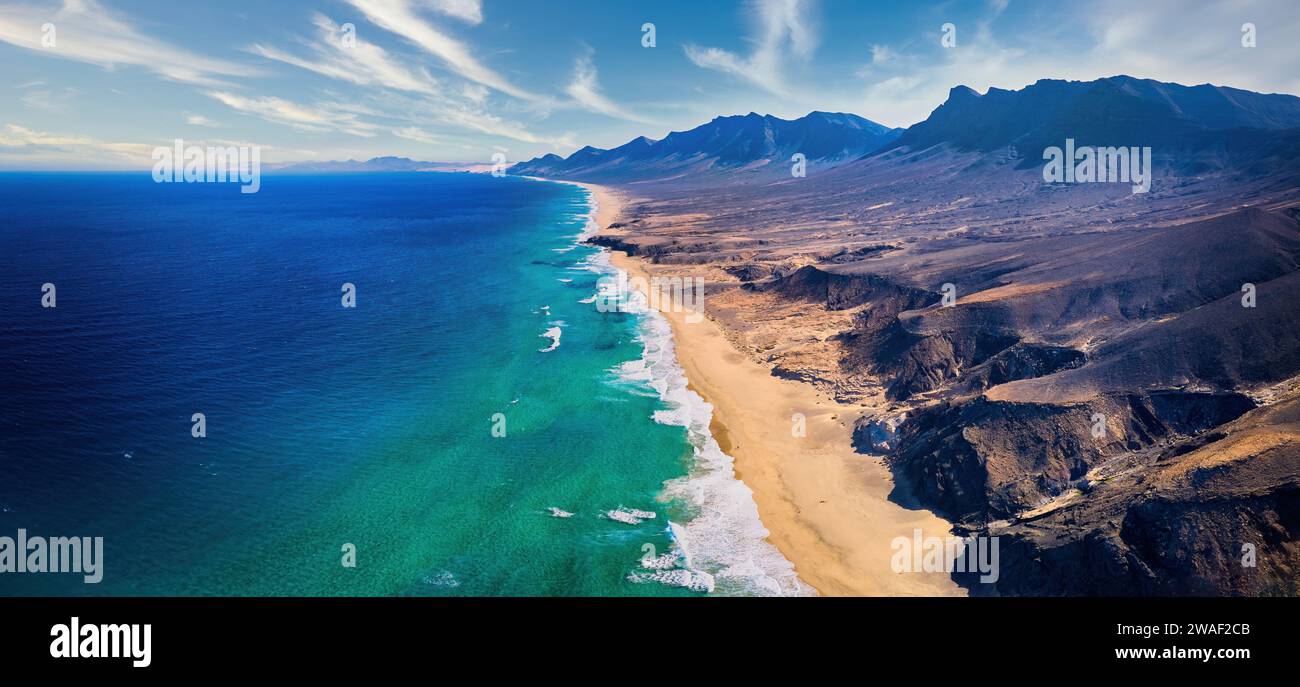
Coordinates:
(319, 118)
(467, 116)
(414, 133)
(25, 148)
(400, 17)
(87, 32)
(428, 103)
(585, 90)
(784, 30)
(57, 100)
(470, 11)
(21, 147)
(199, 120)
(363, 63)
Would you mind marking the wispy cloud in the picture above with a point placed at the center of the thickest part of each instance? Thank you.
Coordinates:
(468, 116)
(400, 17)
(21, 146)
(784, 30)
(468, 10)
(458, 104)
(415, 133)
(585, 90)
(315, 118)
(25, 148)
(56, 100)
(87, 32)
(199, 120)
(361, 63)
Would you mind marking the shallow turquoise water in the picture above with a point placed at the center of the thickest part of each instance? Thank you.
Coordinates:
(327, 425)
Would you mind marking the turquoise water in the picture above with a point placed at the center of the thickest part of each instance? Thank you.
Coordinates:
(370, 426)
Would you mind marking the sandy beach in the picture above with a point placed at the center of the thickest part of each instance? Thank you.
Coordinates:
(825, 506)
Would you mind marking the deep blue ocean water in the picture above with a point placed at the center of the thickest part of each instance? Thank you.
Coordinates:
(326, 426)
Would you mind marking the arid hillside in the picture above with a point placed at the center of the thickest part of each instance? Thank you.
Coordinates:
(1106, 378)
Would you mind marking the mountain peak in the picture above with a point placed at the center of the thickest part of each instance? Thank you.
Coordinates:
(961, 92)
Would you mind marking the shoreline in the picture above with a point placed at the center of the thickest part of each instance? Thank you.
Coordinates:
(825, 506)
(725, 543)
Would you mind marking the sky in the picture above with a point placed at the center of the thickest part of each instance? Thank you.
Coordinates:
(97, 84)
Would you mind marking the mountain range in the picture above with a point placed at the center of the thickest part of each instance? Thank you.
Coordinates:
(1198, 128)
(374, 164)
(742, 144)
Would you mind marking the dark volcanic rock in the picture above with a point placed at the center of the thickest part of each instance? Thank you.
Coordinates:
(844, 291)
(749, 273)
(615, 243)
(985, 460)
(1188, 521)
(1021, 361)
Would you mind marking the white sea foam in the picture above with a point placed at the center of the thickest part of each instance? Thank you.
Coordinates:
(558, 513)
(590, 228)
(441, 579)
(623, 516)
(553, 334)
(631, 516)
(664, 562)
(696, 580)
(725, 538)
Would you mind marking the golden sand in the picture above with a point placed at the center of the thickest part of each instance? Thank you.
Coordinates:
(826, 507)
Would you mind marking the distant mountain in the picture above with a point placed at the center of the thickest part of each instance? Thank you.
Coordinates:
(375, 164)
(742, 143)
(1114, 111)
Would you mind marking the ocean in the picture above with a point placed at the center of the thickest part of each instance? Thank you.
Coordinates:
(474, 426)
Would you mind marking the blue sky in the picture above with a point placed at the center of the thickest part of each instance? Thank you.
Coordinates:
(459, 80)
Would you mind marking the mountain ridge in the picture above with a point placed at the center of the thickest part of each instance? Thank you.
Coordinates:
(732, 143)
(383, 163)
